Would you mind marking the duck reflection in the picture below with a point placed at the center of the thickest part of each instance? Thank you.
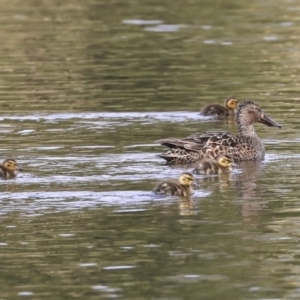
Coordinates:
(248, 192)
(246, 180)
(9, 187)
(224, 181)
(187, 206)
(243, 180)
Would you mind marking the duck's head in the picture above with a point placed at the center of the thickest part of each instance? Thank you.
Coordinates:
(186, 178)
(249, 112)
(225, 160)
(10, 165)
(231, 102)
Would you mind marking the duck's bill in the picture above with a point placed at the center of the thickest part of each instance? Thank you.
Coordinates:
(264, 119)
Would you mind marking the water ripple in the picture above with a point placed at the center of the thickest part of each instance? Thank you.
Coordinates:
(175, 116)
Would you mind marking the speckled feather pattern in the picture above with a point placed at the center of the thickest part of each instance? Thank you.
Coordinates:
(6, 174)
(215, 110)
(210, 167)
(245, 146)
(173, 188)
(190, 151)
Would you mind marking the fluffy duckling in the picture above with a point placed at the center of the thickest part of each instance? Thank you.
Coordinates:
(222, 164)
(8, 169)
(218, 110)
(181, 187)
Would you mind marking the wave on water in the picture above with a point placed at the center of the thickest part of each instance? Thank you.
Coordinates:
(137, 116)
(33, 203)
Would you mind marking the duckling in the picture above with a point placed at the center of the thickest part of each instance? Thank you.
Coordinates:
(222, 164)
(8, 169)
(181, 187)
(218, 110)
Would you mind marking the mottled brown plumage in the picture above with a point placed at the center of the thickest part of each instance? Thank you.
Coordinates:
(222, 164)
(175, 187)
(245, 146)
(8, 169)
(217, 110)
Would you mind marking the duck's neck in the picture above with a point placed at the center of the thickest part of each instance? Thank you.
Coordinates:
(247, 130)
(8, 174)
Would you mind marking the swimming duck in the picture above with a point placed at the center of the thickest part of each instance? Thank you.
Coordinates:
(218, 110)
(222, 164)
(181, 187)
(8, 169)
(242, 147)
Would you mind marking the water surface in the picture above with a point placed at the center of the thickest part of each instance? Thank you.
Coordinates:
(86, 88)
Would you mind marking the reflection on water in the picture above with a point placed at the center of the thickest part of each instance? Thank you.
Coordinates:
(250, 195)
(87, 88)
(247, 179)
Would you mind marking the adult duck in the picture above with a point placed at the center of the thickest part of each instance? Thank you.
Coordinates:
(245, 146)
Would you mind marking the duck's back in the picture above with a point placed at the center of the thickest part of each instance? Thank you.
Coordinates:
(207, 166)
(214, 110)
(172, 188)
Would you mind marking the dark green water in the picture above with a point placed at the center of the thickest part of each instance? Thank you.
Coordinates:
(86, 87)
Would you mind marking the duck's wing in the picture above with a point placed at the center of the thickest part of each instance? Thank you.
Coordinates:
(212, 137)
(179, 143)
(197, 141)
(199, 146)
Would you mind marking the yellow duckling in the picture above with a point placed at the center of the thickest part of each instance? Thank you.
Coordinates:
(8, 169)
(218, 110)
(181, 187)
(222, 164)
